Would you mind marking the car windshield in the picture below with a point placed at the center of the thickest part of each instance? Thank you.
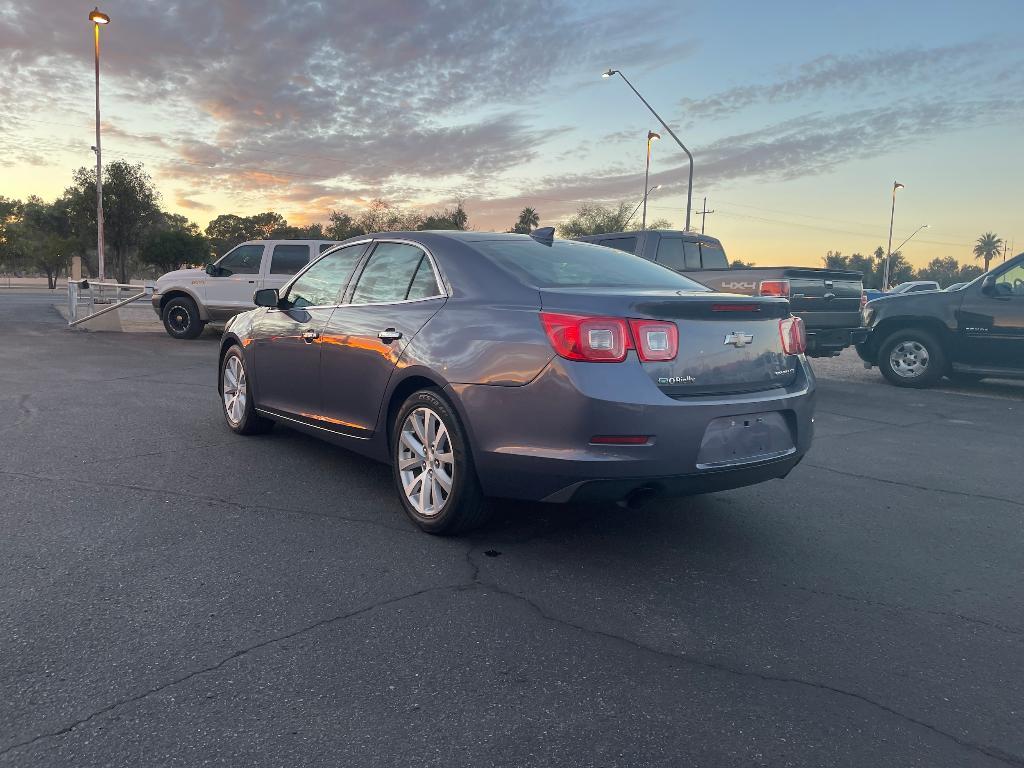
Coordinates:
(566, 264)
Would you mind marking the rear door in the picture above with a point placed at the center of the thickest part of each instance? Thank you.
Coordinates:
(286, 341)
(397, 291)
(283, 261)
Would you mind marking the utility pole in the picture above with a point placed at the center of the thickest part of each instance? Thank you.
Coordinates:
(703, 213)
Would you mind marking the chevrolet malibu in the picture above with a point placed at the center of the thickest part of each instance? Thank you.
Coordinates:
(522, 366)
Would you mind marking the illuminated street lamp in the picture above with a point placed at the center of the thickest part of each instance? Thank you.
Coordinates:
(651, 136)
(98, 19)
(689, 188)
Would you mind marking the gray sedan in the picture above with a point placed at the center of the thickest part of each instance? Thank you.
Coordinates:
(521, 366)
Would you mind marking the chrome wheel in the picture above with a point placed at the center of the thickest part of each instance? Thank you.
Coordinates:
(426, 462)
(909, 359)
(234, 390)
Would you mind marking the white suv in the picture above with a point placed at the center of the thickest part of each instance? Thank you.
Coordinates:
(187, 299)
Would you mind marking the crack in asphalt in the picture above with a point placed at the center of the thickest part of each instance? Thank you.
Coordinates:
(915, 486)
(906, 608)
(227, 659)
(407, 530)
(993, 752)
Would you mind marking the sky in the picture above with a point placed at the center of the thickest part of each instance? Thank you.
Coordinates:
(800, 115)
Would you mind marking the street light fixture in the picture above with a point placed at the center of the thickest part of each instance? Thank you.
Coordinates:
(98, 19)
(689, 188)
(629, 218)
(888, 255)
(651, 136)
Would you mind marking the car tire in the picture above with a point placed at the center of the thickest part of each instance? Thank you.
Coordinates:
(236, 396)
(912, 357)
(181, 318)
(429, 451)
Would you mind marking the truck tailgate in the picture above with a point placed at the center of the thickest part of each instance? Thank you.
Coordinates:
(832, 297)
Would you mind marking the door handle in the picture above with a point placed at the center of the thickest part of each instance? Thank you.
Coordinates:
(389, 335)
(309, 335)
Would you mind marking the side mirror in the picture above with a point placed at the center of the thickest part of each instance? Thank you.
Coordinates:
(212, 269)
(988, 285)
(266, 297)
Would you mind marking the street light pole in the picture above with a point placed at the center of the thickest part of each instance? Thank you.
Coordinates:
(98, 19)
(651, 136)
(689, 187)
(888, 254)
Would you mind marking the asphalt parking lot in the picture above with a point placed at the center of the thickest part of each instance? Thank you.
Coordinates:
(172, 594)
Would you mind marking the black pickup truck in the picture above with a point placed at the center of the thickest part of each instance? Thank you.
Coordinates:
(828, 300)
(966, 334)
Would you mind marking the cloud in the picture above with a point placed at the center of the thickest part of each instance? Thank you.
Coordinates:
(854, 73)
(366, 94)
(809, 145)
(192, 205)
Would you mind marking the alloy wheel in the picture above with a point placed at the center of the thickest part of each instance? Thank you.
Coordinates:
(426, 462)
(909, 359)
(179, 319)
(234, 390)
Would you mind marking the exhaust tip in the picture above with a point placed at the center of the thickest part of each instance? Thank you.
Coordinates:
(638, 498)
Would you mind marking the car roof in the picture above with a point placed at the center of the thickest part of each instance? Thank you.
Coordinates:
(691, 236)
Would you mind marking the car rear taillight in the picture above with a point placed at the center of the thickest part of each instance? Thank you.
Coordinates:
(655, 340)
(794, 337)
(607, 339)
(594, 339)
(775, 288)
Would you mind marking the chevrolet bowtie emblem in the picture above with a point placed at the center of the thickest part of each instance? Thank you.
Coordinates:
(739, 339)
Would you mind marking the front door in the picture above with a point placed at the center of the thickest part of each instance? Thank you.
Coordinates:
(991, 325)
(286, 340)
(395, 294)
(230, 291)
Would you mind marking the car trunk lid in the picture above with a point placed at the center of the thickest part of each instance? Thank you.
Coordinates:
(727, 343)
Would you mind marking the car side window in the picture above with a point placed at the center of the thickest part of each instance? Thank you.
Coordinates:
(692, 253)
(325, 246)
(244, 260)
(670, 253)
(713, 256)
(1011, 282)
(288, 259)
(390, 273)
(424, 283)
(321, 285)
(627, 244)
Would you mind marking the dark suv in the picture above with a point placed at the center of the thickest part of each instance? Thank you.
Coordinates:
(967, 334)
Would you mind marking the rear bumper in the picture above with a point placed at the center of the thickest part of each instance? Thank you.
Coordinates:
(533, 442)
(826, 342)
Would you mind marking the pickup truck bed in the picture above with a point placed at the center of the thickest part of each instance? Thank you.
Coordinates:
(828, 300)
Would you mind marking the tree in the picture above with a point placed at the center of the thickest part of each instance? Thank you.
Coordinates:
(40, 240)
(858, 262)
(740, 264)
(528, 219)
(836, 260)
(168, 249)
(449, 218)
(341, 227)
(10, 212)
(987, 247)
(383, 216)
(226, 231)
(943, 270)
(129, 208)
(659, 224)
(595, 219)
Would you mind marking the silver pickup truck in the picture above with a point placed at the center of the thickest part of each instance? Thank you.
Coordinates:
(827, 300)
(187, 299)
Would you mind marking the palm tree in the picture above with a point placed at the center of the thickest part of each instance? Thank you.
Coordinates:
(528, 219)
(988, 247)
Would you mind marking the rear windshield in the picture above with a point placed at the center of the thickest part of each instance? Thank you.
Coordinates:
(567, 263)
(714, 255)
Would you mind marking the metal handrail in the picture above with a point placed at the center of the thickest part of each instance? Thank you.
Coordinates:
(75, 288)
